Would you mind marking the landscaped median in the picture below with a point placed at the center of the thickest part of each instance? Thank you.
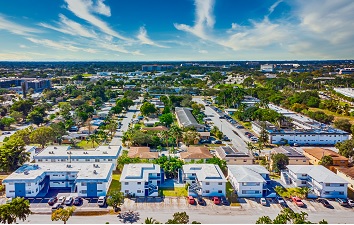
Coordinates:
(173, 192)
(115, 184)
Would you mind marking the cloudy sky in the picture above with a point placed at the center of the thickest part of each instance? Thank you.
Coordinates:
(147, 30)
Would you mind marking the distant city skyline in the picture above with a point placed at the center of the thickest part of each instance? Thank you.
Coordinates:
(183, 30)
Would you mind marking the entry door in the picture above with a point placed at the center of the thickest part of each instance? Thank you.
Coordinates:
(91, 189)
(20, 189)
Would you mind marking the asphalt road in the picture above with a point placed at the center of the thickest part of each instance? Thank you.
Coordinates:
(225, 127)
(117, 139)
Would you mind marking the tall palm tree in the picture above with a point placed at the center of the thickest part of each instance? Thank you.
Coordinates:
(176, 132)
(190, 137)
(164, 135)
(94, 139)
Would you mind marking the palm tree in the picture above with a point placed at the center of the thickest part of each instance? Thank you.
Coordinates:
(150, 220)
(94, 139)
(164, 135)
(176, 132)
(190, 137)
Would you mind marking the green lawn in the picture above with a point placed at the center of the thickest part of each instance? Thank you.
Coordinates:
(336, 116)
(86, 145)
(87, 75)
(231, 196)
(176, 192)
(115, 184)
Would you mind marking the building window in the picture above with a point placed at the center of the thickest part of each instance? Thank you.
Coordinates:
(256, 192)
(40, 160)
(28, 184)
(99, 182)
(219, 191)
(139, 183)
(341, 193)
(126, 191)
(245, 160)
(220, 183)
(327, 184)
(244, 192)
(303, 160)
(341, 185)
(110, 160)
(139, 191)
(83, 184)
(126, 183)
(193, 174)
(52, 160)
(303, 182)
(207, 183)
(207, 191)
(97, 160)
(87, 160)
(304, 175)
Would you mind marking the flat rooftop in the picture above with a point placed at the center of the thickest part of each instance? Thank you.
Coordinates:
(248, 173)
(138, 171)
(64, 152)
(230, 151)
(288, 151)
(205, 172)
(83, 171)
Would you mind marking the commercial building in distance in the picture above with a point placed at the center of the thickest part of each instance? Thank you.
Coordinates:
(304, 131)
(321, 181)
(36, 180)
(156, 67)
(36, 84)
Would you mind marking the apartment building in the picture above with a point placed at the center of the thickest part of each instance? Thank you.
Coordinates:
(64, 154)
(36, 179)
(204, 180)
(321, 181)
(141, 179)
(185, 118)
(295, 157)
(250, 181)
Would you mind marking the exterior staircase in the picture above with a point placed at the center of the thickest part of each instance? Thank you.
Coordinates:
(152, 188)
(195, 189)
(286, 177)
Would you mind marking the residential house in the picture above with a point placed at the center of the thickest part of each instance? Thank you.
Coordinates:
(36, 180)
(204, 180)
(321, 181)
(204, 135)
(234, 157)
(295, 157)
(315, 155)
(142, 153)
(141, 179)
(348, 175)
(196, 154)
(249, 181)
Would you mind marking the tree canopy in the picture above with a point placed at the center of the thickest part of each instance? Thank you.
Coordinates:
(18, 208)
(13, 154)
(279, 162)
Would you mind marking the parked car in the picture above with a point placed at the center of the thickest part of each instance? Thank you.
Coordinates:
(324, 202)
(351, 202)
(216, 200)
(263, 201)
(221, 117)
(226, 138)
(217, 142)
(247, 133)
(78, 201)
(239, 126)
(69, 200)
(191, 200)
(57, 206)
(201, 201)
(52, 200)
(297, 201)
(224, 201)
(254, 139)
(342, 201)
(61, 199)
(204, 141)
(280, 200)
(101, 201)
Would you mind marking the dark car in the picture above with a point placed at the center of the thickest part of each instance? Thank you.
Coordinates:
(224, 201)
(52, 200)
(78, 201)
(204, 141)
(226, 138)
(217, 142)
(201, 201)
(325, 203)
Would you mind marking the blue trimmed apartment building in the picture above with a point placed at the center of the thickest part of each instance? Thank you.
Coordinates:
(36, 179)
(64, 154)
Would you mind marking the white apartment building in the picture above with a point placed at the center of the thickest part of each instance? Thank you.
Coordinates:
(141, 179)
(250, 181)
(35, 180)
(64, 154)
(322, 182)
(204, 180)
(267, 68)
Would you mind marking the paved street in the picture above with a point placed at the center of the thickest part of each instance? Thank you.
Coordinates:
(117, 139)
(248, 213)
(225, 127)
(18, 127)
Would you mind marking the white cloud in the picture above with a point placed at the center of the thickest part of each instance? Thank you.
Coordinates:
(60, 45)
(204, 19)
(144, 39)
(22, 46)
(71, 27)
(203, 51)
(15, 28)
(84, 9)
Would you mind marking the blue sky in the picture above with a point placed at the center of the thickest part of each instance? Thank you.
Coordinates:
(148, 30)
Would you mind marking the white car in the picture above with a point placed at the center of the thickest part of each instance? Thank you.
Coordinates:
(263, 201)
(61, 200)
(351, 202)
(101, 201)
